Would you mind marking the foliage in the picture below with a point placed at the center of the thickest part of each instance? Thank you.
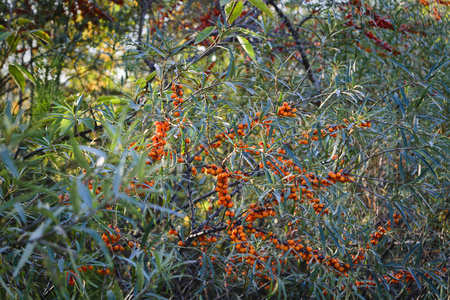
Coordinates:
(227, 149)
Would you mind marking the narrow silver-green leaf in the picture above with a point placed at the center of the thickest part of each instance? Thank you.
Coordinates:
(233, 10)
(247, 47)
(262, 6)
(204, 34)
(17, 76)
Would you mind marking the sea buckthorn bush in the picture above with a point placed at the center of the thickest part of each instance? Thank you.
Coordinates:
(233, 149)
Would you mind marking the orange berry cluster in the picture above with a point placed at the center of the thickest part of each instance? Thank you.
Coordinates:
(365, 124)
(221, 187)
(379, 42)
(137, 245)
(221, 136)
(318, 207)
(231, 134)
(402, 276)
(309, 255)
(396, 277)
(242, 145)
(276, 167)
(212, 258)
(367, 283)
(197, 158)
(337, 177)
(375, 237)
(133, 187)
(323, 132)
(194, 171)
(173, 232)
(105, 271)
(359, 257)
(90, 184)
(240, 239)
(85, 268)
(314, 181)
(362, 124)
(177, 94)
(137, 148)
(111, 239)
(286, 110)
(335, 264)
(204, 240)
(258, 212)
(64, 199)
(206, 149)
(249, 149)
(257, 260)
(158, 141)
(331, 130)
(240, 175)
(437, 273)
(241, 129)
(71, 277)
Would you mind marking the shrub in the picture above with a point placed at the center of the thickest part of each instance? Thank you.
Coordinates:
(262, 156)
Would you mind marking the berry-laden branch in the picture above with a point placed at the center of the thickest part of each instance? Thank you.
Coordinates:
(219, 184)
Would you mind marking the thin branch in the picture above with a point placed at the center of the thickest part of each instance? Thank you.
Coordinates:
(298, 42)
(387, 151)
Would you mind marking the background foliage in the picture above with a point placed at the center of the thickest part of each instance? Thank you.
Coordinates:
(224, 149)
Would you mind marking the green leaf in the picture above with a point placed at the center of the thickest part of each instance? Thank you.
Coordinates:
(40, 34)
(204, 34)
(26, 73)
(112, 100)
(247, 47)
(18, 76)
(247, 32)
(117, 291)
(23, 21)
(84, 193)
(4, 35)
(422, 95)
(110, 295)
(151, 76)
(233, 11)
(262, 6)
(12, 41)
(23, 259)
(78, 154)
(75, 199)
(436, 68)
(67, 122)
(6, 159)
(232, 67)
(403, 67)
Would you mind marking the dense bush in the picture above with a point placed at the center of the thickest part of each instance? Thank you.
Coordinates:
(224, 149)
